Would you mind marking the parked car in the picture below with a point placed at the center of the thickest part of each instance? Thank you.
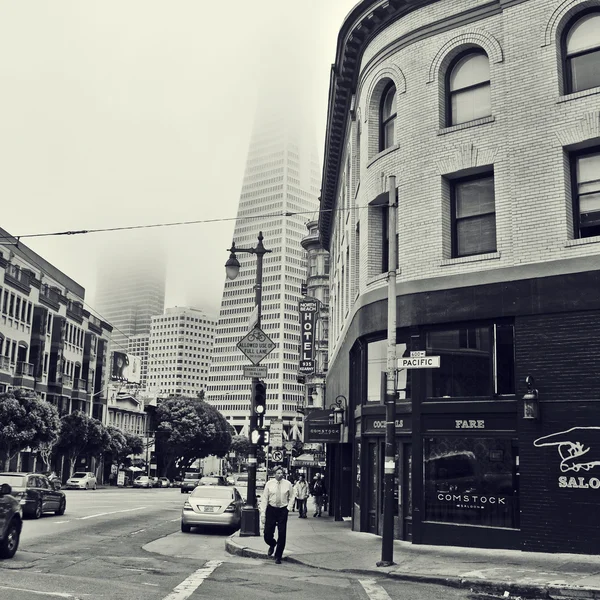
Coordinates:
(212, 505)
(190, 481)
(81, 481)
(213, 480)
(35, 494)
(241, 483)
(142, 481)
(164, 482)
(11, 522)
(155, 482)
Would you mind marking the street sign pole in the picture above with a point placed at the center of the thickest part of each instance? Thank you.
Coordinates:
(389, 465)
(250, 518)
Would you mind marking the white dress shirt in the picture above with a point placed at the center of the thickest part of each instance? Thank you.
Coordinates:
(278, 494)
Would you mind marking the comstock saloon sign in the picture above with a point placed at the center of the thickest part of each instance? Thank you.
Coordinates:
(308, 314)
(578, 450)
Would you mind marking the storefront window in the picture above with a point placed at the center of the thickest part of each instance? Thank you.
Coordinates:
(377, 364)
(471, 481)
(474, 361)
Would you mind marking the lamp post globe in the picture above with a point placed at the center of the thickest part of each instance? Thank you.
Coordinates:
(232, 267)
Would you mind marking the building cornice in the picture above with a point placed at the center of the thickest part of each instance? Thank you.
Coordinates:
(366, 20)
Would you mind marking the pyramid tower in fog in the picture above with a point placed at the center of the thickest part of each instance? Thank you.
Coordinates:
(282, 177)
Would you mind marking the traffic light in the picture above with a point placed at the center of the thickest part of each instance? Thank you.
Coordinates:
(303, 289)
(260, 437)
(259, 393)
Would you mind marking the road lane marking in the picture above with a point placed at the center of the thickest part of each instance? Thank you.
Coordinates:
(136, 532)
(374, 591)
(59, 522)
(114, 512)
(188, 586)
(53, 594)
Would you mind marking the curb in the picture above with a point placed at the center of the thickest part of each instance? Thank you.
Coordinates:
(532, 591)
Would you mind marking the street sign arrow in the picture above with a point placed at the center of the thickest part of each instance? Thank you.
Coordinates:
(256, 345)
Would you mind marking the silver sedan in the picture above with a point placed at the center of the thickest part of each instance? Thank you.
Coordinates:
(212, 505)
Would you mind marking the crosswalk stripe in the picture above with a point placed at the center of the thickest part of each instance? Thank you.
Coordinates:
(188, 586)
(373, 590)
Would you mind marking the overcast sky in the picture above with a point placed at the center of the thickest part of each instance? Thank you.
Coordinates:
(129, 112)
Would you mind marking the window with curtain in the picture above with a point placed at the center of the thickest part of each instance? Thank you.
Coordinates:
(586, 193)
(473, 215)
(581, 51)
(387, 120)
(468, 85)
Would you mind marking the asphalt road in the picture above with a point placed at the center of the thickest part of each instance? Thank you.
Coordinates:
(124, 544)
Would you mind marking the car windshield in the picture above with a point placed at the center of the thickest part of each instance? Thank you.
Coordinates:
(211, 492)
(192, 476)
(78, 475)
(13, 480)
(141, 478)
(242, 479)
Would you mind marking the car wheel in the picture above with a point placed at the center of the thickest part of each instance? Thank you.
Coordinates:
(9, 545)
(182, 491)
(87, 486)
(95, 486)
(185, 528)
(37, 513)
(61, 508)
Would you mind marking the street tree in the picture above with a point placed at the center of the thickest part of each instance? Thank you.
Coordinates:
(188, 429)
(25, 421)
(74, 436)
(99, 441)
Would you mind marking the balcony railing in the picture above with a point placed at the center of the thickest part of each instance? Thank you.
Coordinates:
(4, 363)
(67, 380)
(25, 369)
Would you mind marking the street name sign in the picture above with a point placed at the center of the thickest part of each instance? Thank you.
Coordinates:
(256, 345)
(419, 362)
(255, 371)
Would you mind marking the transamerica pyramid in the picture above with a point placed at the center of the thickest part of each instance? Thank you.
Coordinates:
(279, 195)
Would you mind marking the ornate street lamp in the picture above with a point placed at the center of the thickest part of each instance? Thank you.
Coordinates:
(250, 525)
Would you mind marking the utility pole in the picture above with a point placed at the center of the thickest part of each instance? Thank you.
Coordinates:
(389, 468)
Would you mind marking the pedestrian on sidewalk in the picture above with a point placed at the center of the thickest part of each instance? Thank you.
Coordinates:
(275, 503)
(301, 492)
(318, 492)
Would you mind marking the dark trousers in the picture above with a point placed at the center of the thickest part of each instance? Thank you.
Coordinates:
(276, 517)
(301, 506)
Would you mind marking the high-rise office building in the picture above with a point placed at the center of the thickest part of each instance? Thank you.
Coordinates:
(131, 289)
(181, 342)
(278, 197)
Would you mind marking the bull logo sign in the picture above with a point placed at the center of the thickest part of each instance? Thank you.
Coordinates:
(578, 447)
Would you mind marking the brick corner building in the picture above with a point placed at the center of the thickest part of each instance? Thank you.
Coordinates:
(488, 117)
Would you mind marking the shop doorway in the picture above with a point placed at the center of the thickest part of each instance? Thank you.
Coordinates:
(374, 487)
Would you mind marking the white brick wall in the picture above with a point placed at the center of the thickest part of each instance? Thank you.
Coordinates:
(524, 141)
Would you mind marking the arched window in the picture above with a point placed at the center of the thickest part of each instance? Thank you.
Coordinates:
(468, 85)
(387, 118)
(581, 49)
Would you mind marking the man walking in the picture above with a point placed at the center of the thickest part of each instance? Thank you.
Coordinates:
(318, 491)
(301, 492)
(276, 501)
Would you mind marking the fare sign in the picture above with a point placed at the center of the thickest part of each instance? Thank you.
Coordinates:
(256, 345)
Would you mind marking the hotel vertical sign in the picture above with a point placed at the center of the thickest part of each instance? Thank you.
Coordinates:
(308, 316)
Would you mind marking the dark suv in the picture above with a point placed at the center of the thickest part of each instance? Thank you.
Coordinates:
(10, 522)
(35, 493)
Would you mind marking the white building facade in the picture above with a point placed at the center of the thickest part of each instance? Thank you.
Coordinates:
(179, 351)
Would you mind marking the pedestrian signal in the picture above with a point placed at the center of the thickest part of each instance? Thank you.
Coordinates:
(260, 437)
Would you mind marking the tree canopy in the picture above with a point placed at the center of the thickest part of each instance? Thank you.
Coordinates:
(25, 421)
(188, 429)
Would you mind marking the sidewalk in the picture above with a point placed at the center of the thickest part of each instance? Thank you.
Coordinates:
(326, 544)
